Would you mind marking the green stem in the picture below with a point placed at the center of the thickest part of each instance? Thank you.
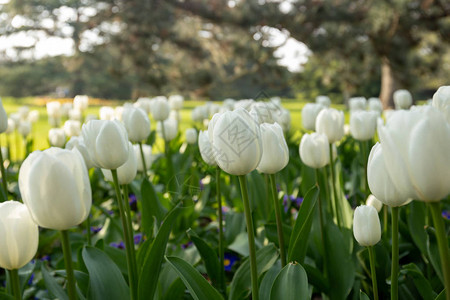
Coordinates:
(144, 165)
(88, 227)
(71, 291)
(15, 284)
(327, 190)
(394, 267)
(385, 218)
(276, 204)
(251, 237)
(129, 245)
(4, 179)
(365, 146)
(171, 181)
(333, 183)
(130, 228)
(321, 224)
(221, 240)
(373, 273)
(442, 243)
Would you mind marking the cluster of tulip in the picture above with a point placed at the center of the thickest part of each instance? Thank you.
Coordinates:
(246, 142)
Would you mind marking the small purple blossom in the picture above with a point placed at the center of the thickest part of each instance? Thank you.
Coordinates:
(30, 281)
(96, 229)
(185, 246)
(132, 199)
(446, 214)
(138, 238)
(46, 258)
(120, 245)
(229, 260)
(201, 184)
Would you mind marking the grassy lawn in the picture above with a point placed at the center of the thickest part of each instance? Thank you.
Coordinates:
(41, 127)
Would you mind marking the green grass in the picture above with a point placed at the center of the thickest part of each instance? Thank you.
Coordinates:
(41, 127)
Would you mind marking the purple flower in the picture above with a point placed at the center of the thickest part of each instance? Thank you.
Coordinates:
(45, 258)
(120, 245)
(201, 184)
(138, 238)
(132, 199)
(229, 260)
(446, 214)
(185, 246)
(96, 229)
(30, 281)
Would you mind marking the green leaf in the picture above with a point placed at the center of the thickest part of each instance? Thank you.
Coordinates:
(363, 296)
(433, 252)
(290, 284)
(420, 282)
(416, 224)
(105, 278)
(316, 278)
(198, 286)
(267, 281)
(241, 284)
(148, 277)
(341, 269)
(209, 257)
(151, 207)
(52, 286)
(5, 296)
(300, 232)
(175, 291)
(272, 233)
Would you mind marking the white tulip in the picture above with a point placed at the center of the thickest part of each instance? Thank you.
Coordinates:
(441, 100)
(323, 100)
(315, 150)
(56, 137)
(160, 108)
(205, 147)
(357, 103)
(191, 136)
(147, 149)
(72, 128)
(331, 123)
(366, 225)
(126, 172)
(309, 115)
(373, 201)
(176, 102)
(363, 124)
(137, 124)
(402, 99)
(170, 129)
(81, 102)
(78, 143)
(275, 152)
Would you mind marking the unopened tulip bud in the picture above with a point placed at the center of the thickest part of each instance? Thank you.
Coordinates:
(323, 100)
(315, 150)
(137, 124)
(331, 123)
(147, 156)
(170, 130)
(441, 100)
(309, 115)
(366, 225)
(275, 152)
(205, 147)
(402, 99)
(191, 136)
(56, 137)
(373, 201)
(160, 108)
(127, 172)
(19, 236)
(363, 125)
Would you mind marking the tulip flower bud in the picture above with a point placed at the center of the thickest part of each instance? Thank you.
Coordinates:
(373, 201)
(176, 102)
(275, 152)
(33, 116)
(366, 225)
(137, 124)
(331, 123)
(81, 102)
(126, 172)
(56, 137)
(72, 128)
(416, 147)
(55, 187)
(380, 182)
(357, 103)
(191, 136)
(3, 118)
(107, 143)
(19, 235)
(315, 150)
(205, 147)
(375, 105)
(402, 99)
(160, 108)
(323, 100)
(237, 142)
(11, 126)
(78, 143)
(441, 100)
(65, 109)
(106, 113)
(54, 109)
(170, 129)
(309, 115)
(24, 128)
(363, 125)
(144, 104)
(147, 156)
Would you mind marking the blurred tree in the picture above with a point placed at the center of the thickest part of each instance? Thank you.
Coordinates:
(407, 38)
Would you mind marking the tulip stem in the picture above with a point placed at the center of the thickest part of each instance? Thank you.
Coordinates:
(144, 165)
(333, 183)
(4, 180)
(221, 240)
(15, 283)
(276, 204)
(385, 218)
(373, 272)
(394, 267)
(322, 226)
(71, 291)
(365, 146)
(128, 239)
(442, 244)
(171, 181)
(251, 237)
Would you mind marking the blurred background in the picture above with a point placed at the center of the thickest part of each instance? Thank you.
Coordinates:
(216, 49)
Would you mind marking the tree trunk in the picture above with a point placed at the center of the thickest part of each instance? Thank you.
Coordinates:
(389, 83)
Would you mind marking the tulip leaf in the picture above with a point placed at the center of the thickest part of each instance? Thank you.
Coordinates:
(316, 278)
(151, 207)
(241, 284)
(198, 286)
(52, 286)
(290, 284)
(433, 252)
(5, 296)
(298, 242)
(420, 282)
(341, 269)
(105, 278)
(209, 257)
(267, 281)
(272, 234)
(416, 224)
(175, 290)
(154, 256)
(363, 296)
